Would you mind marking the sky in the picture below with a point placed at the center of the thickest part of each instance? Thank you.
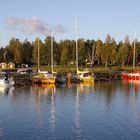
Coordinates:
(28, 19)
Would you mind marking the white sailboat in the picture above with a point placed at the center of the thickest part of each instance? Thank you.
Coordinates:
(84, 76)
(43, 77)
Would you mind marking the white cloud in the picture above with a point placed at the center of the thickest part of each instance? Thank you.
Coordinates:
(32, 25)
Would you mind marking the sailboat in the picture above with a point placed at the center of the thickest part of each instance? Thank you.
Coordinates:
(135, 74)
(83, 76)
(43, 77)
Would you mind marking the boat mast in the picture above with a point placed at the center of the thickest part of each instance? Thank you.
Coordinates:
(76, 28)
(134, 51)
(38, 60)
(52, 52)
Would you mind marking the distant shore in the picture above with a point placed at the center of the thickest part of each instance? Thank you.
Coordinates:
(67, 69)
(71, 69)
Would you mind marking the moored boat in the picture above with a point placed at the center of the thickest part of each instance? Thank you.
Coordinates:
(85, 76)
(6, 82)
(61, 79)
(43, 78)
(135, 75)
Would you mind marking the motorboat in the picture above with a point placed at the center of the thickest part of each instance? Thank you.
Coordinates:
(6, 82)
(61, 79)
(134, 75)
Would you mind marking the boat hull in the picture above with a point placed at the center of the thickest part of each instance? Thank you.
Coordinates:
(130, 76)
(48, 81)
(43, 81)
(87, 79)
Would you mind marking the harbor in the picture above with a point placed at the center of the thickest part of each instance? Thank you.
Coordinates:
(69, 70)
(26, 77)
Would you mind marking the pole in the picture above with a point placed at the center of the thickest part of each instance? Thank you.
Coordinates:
(134, 51)
(52, 52)
(76, 29)
(38, 60)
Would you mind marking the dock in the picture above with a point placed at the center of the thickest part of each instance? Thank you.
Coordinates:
(106, 76)
(22, 79)
(26, 79)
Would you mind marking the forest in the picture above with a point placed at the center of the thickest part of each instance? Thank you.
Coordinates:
(90, 52)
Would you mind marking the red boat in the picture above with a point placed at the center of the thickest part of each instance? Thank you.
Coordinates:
(135, 75)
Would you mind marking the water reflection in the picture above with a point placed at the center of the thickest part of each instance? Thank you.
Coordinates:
(52, 118)
(103, 110)
(107, 90)
(129, 86)
(1, 132)
(46, 93)
(6, 90)
(132, 89)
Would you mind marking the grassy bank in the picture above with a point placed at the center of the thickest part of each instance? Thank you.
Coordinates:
(70, 69)
(66, 69)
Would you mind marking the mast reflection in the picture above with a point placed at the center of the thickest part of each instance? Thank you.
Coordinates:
(81, 89)
(78, 131)
(52, 118)
(47, 92)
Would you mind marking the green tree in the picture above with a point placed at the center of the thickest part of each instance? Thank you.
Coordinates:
(113, 55)
(3, 54)
(82, 53)
(106, 51)
(66, 55)
(15, 51)
(27, 52)
(98, 53)
(125, 52)
(91, 49)
(48, 49)
(38, 45)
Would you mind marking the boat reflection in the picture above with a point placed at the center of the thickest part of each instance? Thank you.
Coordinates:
(132, 89)
(81, 89)
(47, 91)
(6, 90)
(133, 83)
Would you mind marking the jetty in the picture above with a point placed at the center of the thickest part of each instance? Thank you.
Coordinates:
(26, 79)
(22, 79)
(106, 76)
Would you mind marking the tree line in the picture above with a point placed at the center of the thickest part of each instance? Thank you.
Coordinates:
(90, 52)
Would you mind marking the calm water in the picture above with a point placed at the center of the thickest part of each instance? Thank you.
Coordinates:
(103, 111)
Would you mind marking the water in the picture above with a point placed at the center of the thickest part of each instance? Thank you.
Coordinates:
(103, 111)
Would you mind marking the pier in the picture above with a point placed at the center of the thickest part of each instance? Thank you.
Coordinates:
(22, 79)
(26, 79)
(106, 76)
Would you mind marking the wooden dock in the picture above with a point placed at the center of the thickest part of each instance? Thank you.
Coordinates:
(106, 76)
(26, 79)
(22, 79)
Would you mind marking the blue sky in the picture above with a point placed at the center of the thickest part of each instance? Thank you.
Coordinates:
(96, 18)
